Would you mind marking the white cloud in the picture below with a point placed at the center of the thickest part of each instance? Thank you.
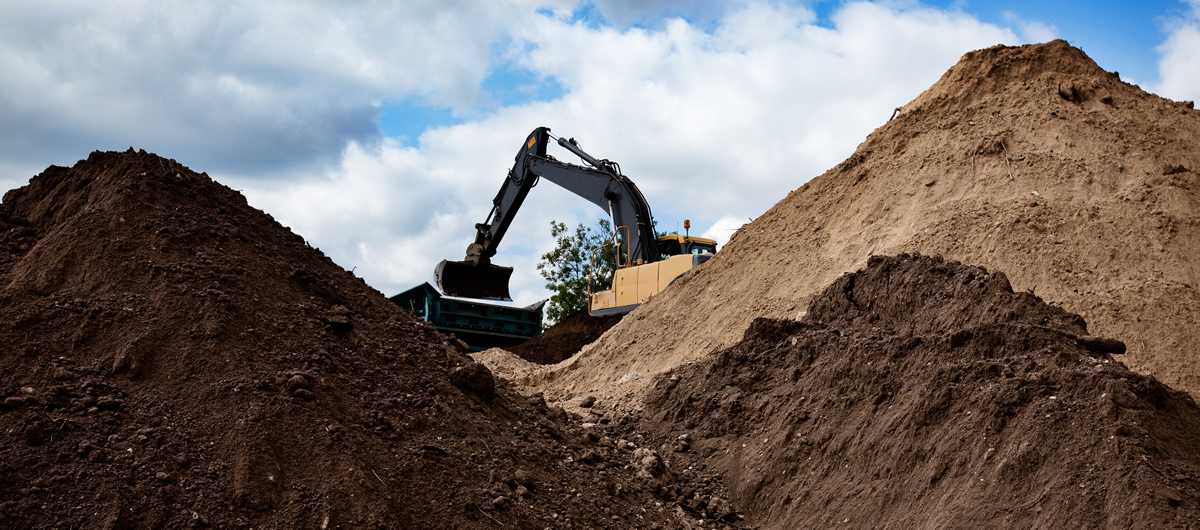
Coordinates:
(1179, 67)
(233, 85)
(1032, 31)
(714, 126)
(1038, 32)
(723, 229)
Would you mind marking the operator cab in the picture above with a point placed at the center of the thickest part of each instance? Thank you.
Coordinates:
(677, 244)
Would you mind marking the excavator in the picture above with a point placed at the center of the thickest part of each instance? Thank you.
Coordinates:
(645, 264)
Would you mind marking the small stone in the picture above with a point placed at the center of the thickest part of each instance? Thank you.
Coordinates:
(474, 377)
(34, 435)
(538, 402)
(303, 393)
(588, 402)
(500, 502)
(109, 403)
(522, 476)
(161, 475)
(648, 466)
(13, 402)
(523, 492)
(591, 456)
(297, 382)
(719, 508)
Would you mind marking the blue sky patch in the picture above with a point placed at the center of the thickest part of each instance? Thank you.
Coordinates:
(511, 85)
(407, 119)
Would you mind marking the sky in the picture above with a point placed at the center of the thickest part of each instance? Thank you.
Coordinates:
(380, 131)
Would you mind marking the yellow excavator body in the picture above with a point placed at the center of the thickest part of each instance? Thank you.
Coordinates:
(634, 284)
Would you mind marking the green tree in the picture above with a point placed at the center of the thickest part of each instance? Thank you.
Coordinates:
(567, 267)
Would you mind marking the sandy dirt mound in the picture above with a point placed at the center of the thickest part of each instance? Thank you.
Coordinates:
(511, 368)
(564, 339)
(176, 358)
(1032, 160)
(924, 393)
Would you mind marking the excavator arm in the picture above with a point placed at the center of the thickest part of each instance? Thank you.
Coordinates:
(602, 184)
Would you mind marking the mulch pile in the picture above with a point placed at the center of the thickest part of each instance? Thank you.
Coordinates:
(173, 357)
(564, 338)
(919, 392)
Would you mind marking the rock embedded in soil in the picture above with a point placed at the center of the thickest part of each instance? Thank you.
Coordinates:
(474, 377)
(297, 382)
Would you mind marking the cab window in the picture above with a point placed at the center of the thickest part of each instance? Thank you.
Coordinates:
(668, 248)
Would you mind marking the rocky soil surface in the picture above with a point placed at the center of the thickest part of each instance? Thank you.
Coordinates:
(924, 393)
(173, 357)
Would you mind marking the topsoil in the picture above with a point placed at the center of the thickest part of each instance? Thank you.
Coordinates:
(924, 393)
(564, 338)
(1032, 160)
(173, 357)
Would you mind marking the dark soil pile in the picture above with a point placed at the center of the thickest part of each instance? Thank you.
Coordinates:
(924, 393)
(173, 357)
(564, 339)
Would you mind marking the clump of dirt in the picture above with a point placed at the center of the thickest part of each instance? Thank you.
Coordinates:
(922, 392)
(176, 358)
(564, 338)
(1030, 159)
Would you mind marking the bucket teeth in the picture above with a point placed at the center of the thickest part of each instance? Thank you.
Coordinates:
(467, 280)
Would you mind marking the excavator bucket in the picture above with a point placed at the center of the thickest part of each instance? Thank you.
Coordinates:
(468, 280)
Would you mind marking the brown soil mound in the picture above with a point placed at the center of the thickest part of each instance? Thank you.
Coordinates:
(1031, 159)
(924, 393)
(564, 339)
(175, 358)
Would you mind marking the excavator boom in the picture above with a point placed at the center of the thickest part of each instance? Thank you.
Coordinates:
(602, 184)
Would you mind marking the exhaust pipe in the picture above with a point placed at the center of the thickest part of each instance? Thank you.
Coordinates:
(465, 279)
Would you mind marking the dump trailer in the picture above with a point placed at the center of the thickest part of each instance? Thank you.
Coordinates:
(645, 264)
(478, 324)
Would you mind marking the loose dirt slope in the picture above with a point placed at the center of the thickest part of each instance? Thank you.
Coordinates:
(564, 338)
(173, 357)
(1031, 160)
(919, 393)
